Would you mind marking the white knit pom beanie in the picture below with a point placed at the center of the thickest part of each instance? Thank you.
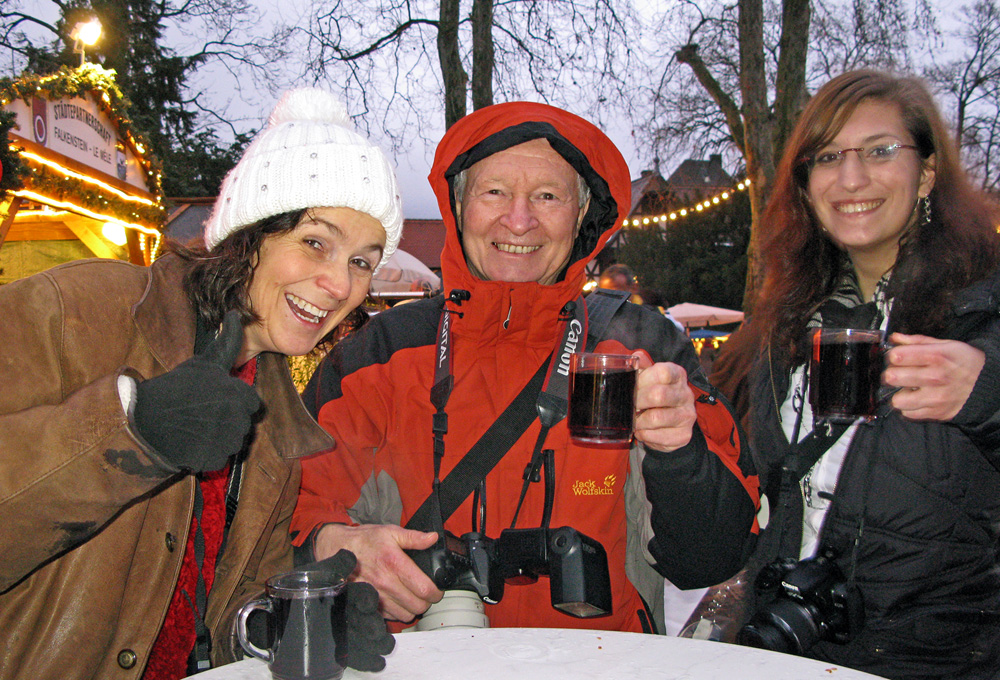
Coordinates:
(308, 156)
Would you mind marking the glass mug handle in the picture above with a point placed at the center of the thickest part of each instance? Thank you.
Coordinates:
(241, 628)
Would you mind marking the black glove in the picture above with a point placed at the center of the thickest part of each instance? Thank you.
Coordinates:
(197, 415)
(358, 627)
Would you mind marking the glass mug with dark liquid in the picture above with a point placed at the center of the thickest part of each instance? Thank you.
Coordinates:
(845, 373)
(602, 397)
(300, 610)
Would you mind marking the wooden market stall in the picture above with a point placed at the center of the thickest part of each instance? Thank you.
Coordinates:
(78, 180)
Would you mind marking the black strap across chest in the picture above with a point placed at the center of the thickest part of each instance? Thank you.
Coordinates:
(547, 390)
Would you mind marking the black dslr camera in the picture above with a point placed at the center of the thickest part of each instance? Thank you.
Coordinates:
(802, 603)
(462, 564)
(576, 565)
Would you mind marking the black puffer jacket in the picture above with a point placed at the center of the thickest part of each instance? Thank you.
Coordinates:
(916, 514)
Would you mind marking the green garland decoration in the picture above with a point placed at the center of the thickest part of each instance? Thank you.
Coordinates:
(12, 165)
(72, 190)
(79, 81)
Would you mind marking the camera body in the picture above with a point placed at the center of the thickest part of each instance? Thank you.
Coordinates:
(464, 563)
(802, 602)
(577, 566)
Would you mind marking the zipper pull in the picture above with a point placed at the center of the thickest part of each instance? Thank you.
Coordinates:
(506, 322)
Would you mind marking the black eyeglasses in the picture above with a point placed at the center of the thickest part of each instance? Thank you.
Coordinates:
(871, 155)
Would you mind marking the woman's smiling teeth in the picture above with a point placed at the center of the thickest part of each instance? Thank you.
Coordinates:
(857, 207)
(517, 250)
(305, 310)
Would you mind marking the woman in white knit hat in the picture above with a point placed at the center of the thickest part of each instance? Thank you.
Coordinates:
(149, 428)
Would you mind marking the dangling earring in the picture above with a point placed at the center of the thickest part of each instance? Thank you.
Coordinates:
(926, 201)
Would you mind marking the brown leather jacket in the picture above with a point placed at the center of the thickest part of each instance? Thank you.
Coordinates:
(94, 524)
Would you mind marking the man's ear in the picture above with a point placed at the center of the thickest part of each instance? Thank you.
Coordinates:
(579, 218)
(458, 215)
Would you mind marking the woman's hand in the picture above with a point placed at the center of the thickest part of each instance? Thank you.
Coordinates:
(404, 590)
(936, 377)
(664, 405)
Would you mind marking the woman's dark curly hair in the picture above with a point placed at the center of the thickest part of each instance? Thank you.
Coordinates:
(219, 279)
(957, 247)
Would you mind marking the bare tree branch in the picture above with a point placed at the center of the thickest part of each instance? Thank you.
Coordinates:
(688, 54)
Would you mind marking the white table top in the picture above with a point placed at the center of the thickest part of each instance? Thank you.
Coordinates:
(558, 654)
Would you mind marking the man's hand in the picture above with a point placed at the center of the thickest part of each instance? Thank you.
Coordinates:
(936, 377)
(664, 405)
(404, 590)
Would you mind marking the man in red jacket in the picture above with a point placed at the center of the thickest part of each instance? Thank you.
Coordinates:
(529, 195)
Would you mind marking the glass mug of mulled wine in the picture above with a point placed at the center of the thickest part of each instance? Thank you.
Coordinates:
(845, 373)
(300, 610)
(602, 397)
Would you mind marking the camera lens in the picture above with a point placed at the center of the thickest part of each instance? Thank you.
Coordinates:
(784, 626)
(762, 637)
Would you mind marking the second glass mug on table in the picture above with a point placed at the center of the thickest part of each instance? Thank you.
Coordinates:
(300, 610)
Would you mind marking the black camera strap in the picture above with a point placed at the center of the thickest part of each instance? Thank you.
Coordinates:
(601, 306)
(548, 388)
(801, 457)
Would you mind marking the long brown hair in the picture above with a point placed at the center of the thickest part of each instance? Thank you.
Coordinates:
(958, 246)
(219, 279)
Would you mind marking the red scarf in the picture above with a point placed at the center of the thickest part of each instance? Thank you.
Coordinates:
(168, 658)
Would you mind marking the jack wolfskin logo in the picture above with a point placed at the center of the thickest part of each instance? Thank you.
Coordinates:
(589, 487)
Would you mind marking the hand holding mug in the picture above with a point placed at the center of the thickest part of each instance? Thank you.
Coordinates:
(936, 377)
(317, 622)
(614, 396)
(665, 413)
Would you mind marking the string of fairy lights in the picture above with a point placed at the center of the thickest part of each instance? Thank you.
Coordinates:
(635, 221)
(114, 224)
(674, 215)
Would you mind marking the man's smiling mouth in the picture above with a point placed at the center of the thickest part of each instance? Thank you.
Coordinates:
(516, 250)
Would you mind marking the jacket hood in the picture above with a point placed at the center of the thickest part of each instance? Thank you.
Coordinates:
(582, 144)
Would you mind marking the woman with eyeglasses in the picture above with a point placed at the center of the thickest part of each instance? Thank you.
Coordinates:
(873, 223)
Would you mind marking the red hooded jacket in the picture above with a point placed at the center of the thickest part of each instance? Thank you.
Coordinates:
(688, 514)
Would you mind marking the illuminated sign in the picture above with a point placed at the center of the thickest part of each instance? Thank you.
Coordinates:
(79, 129)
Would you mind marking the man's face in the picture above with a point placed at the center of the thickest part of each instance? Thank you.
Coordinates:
(519, 214)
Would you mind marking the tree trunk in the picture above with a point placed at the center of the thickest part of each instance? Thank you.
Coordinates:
(758, 129)
(759, 133)
(455, 77)
(791, 94)
(482, 54)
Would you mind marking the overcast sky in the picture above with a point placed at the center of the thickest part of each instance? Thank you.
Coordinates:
(249, 106)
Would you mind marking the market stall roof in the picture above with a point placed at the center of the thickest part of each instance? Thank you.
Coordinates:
(403, 272)
(78, 170)
(691, 314)
(707, 333)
